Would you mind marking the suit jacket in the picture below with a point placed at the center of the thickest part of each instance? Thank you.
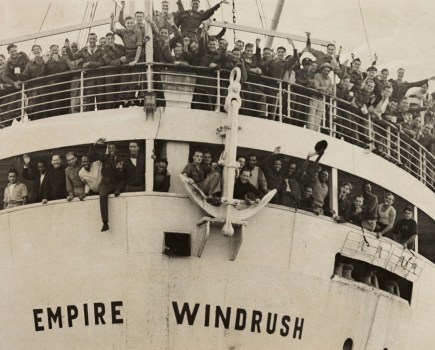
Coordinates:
(135, 175)
(40, 190)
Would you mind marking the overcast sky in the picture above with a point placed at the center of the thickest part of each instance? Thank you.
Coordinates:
(399, 31)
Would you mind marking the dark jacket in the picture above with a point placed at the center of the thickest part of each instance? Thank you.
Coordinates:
(135, 175)
(40, 190)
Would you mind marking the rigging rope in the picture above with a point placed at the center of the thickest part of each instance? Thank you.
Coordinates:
(43, 21)
(234, 20)
(92, 18)
(365, 30)
(83, 20)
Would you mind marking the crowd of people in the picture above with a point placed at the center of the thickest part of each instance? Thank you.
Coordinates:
(304, 188)
(98, 173)
(181, 38)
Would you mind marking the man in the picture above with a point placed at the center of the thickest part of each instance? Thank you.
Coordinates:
(274, 175)
(56, 180)
(386, 216)
(360, 104)
(189, 21)
(242, 161)
(139, 17)
(162, 179)
(92, 56)
(35, 68)
(113, 55)
(405, 230)
(12, 76)
(133, 43)
(323, 84)
(102, 42)
(305, 82)
(39, 178)
(112, 180)
(57, 87)
(321, 57)
(318, 180)
(15, 192)
(257, 177)
(425, 137)
(230, 62)
(343, 202)
(400, 87)
(163, 44)
(197, 172)
(381, 81)
(90, 174)
(243, 189)
(75, 83)
(134, 168)
(75, 187)
(307, 201)
(355, 214)
(292, 191)
(255, 99)
(164, 18)
(371, 207)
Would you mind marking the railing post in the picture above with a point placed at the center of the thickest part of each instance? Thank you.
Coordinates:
(332, 112)
(149, 78)
(370, 129)
(218, 94)
(388, 141)
(288, 101)
(323, 121)
(420, 160)
(424, 166)
(279, 102)
(82, 90)
(398, 146)
(23, 99)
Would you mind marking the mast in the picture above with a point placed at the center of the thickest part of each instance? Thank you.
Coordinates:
(275, 21)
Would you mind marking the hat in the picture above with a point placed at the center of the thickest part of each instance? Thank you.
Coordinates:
(321, 146)
(325, 65)
(306, 61)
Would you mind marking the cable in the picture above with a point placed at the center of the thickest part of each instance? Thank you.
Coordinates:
(365, 31)
(43, 21)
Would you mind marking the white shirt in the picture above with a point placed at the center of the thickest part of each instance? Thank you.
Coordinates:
(92, 178)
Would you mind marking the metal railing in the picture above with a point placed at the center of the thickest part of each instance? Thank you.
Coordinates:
(206, 89)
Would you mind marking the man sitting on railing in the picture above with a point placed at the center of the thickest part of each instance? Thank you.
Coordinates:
(113, 177)
(133, 43)
(35, 68)
(90, 174)
(12, 75)
(58, 98)
(92, 56)
(113, 55)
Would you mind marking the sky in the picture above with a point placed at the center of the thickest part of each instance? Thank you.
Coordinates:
(399, 31)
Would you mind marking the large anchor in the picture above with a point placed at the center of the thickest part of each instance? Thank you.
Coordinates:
(232, 212)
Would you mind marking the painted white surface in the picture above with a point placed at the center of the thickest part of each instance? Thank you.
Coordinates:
(55, 255)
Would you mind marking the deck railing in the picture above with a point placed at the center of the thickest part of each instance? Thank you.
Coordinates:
(205, 88)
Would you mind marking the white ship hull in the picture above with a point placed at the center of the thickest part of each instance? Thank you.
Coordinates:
(53, 257)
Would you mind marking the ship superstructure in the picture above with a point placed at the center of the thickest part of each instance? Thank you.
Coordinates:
(165, 276)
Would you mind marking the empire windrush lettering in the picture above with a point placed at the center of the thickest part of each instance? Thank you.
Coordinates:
(87, 314)
(239, 319)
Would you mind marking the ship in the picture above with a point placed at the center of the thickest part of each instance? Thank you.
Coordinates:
(174, 271)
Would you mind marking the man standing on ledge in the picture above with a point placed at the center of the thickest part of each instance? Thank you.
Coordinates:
(112, 180)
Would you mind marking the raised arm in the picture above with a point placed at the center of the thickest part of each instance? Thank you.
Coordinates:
(121, 15)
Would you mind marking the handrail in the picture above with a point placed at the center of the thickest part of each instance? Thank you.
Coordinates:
(205, 88)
